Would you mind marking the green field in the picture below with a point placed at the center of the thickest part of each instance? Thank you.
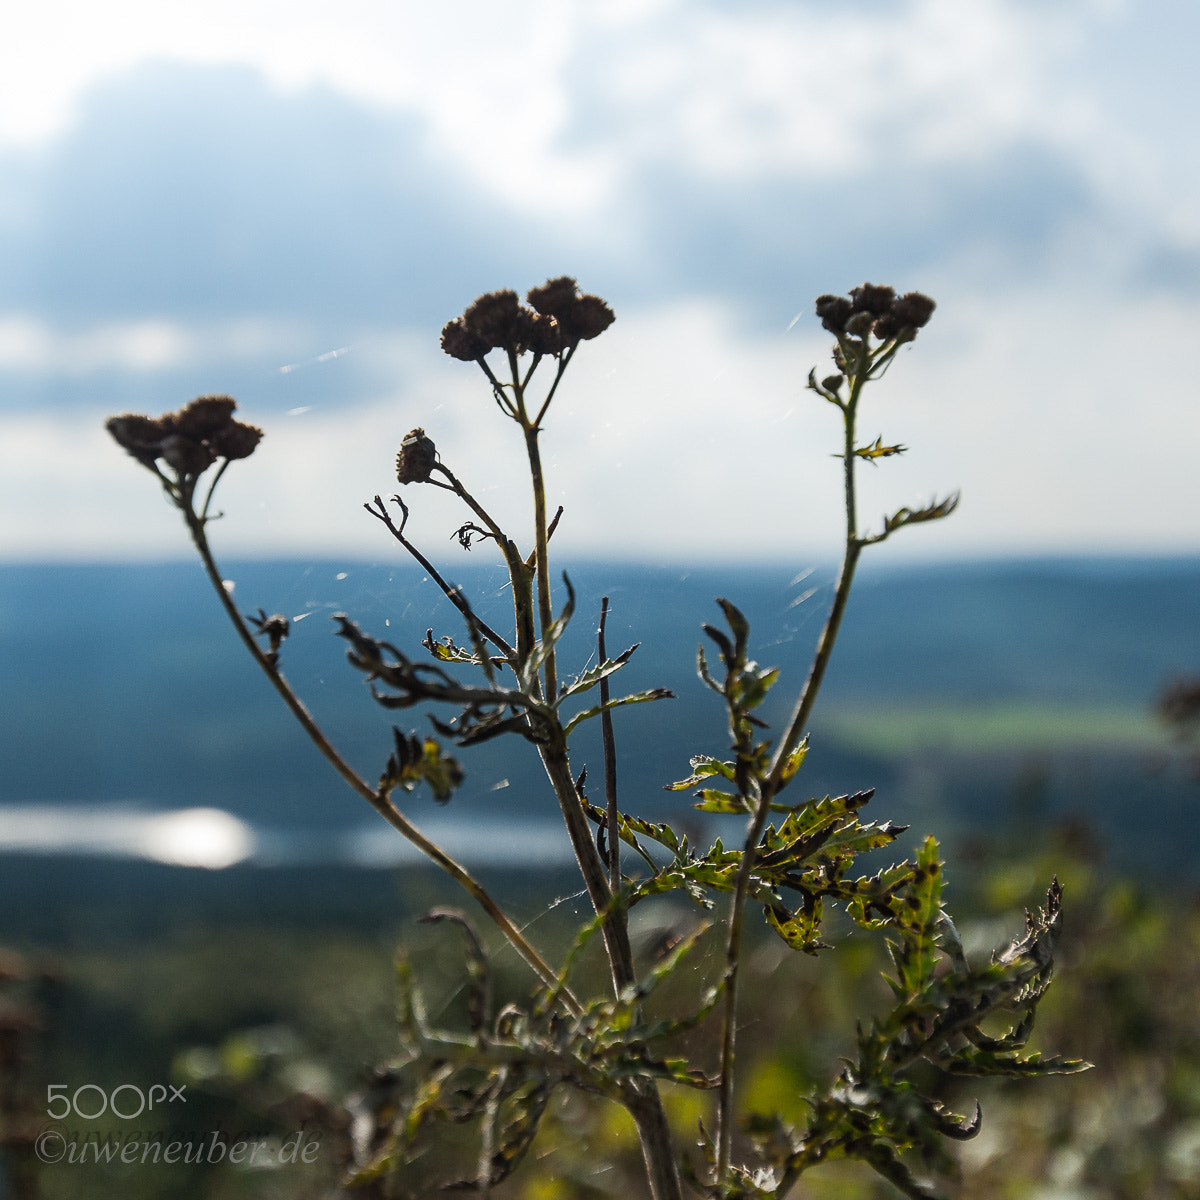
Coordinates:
(1017, 727)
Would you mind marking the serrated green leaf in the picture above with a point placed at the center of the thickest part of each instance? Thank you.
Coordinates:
(794, 760)
(597, 709)
(800, 930)
(714, 800)
(628, 826)
(703, 767)
(593, 675)
(919, 918)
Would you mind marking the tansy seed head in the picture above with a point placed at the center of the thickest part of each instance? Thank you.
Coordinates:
(205, 415)
(460, 342)
(834, 311)
(499, 319)
(555, 298)
(873, 298)
(913, 310)
(417, 457)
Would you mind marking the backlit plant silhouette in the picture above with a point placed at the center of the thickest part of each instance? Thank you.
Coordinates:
(791, 857)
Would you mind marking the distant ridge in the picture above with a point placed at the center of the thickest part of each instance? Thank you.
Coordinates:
(124, 680)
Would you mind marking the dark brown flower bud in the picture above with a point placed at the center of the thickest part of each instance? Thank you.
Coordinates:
(831, 383)
(417, 457)
(186, 455)
(459, 342)
(556, 297)
(859, 324)
(205, 415)
(235, 440)
(588, 317)
(913, 310)
(887, 327)
(834, 311)
(499, 319)
(141, 436)
(544, 335)
(873, 298)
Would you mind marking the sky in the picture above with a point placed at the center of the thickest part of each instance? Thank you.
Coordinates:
(286, 201)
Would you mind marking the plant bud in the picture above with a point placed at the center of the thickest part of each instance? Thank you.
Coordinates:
(417, 458)
(834, 312)
(187, 456)
(913, 310)
(236, 440)
(860, 324)
(205, 416)
(461, 343)
(873, 298)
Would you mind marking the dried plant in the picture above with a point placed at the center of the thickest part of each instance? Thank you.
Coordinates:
(795, 859)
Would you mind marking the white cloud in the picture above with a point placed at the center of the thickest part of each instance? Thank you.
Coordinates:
(679, 420)
(788, 89)
(488, 79)
(759, 90)
(28, 344)
(677, 437)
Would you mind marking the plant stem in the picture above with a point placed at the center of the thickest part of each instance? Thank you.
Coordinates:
(774, 780)
(642, 1097)
(451, 592)
(373, 797)
(610, 760)
(545, 608)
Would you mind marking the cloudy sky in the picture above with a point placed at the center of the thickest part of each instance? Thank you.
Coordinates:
(286, 201)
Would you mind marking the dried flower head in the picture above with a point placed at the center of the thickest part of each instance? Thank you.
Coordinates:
(875, 308)
(559, 318)
(186, 455)
(460, 342)
(556, 297)
(141, 436)
(190, 440)
(235, 440)
(834, 311)
(590, 317)
(417, 457)
(579, 317)
(500, 320)
(913, 310)
(545, 335)
(876, 299)
(205, 415)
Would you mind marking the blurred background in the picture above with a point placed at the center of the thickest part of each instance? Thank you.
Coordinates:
(286, 202)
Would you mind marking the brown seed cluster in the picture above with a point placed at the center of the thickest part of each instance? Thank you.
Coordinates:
(417, 457)
(189, 440)
(556, 318)
(875, 308)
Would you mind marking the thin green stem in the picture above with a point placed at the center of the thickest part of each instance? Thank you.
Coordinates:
(519, 573)
(841, 593)
(563, 363)
(774, 780)
(451, 592)
(545, 607)
(610, 760)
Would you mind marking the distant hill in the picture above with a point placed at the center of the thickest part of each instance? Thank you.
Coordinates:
(952, 683)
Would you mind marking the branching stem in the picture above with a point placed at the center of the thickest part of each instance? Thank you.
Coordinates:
(376, 799)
